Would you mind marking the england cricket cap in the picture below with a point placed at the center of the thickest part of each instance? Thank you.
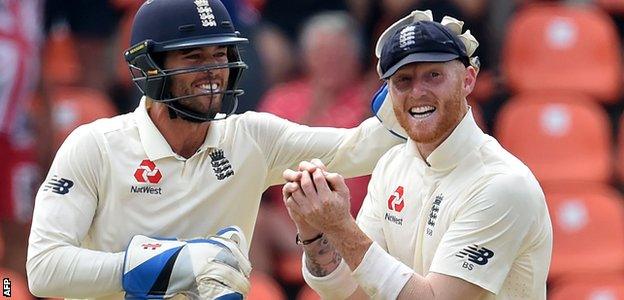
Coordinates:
(420, 41)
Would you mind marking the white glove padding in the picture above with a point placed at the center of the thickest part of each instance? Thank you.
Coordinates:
(382, 109)
(163, 268)
(219, 280)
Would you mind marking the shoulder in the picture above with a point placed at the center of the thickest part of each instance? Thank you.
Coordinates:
(390, 162)
(252, 119)
(393, 156)
(511, 189)
(105, 126)
(503, 178)
(95, 133)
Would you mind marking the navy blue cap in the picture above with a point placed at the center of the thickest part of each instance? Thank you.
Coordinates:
(420, 41)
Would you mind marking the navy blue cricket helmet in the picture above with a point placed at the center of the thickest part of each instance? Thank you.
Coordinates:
(167, 25)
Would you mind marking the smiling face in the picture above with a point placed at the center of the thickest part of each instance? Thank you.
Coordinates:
(212, 81)
(429, 99)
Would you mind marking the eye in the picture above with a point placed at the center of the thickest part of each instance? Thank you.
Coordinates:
(434, 74)
(193, 56)
(401, 78)
(220, 55)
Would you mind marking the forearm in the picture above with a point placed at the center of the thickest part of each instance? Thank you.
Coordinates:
(321, 257)
(72, 272)
(350, 242)
(417, 287)
(325, 271)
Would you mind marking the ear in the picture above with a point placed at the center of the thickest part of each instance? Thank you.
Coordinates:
(469, 81)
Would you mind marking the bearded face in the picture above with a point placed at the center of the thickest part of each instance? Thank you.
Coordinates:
(213, 81)
(429, 99)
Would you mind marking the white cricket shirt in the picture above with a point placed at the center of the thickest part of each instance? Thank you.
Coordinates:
(118, 177)
(471, 210)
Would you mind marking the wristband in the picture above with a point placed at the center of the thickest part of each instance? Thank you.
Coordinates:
(381, 275)
(336, 285)
(308, 242)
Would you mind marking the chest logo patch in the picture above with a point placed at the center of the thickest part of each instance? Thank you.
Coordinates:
(396, 202)
(147, 172)
(433, 214)
(221, 165)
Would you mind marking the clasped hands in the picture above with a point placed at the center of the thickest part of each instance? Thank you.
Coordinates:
(317, 201)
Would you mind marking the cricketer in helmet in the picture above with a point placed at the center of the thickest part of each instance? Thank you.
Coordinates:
(188, 60)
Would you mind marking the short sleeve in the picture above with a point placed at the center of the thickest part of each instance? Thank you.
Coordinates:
(488, 232)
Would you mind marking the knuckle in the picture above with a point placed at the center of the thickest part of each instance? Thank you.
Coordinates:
(288, 187)
(303, 165)
(317, 175)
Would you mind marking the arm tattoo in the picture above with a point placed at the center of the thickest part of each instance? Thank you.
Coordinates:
(321, 257)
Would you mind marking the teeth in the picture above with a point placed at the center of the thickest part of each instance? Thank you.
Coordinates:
(421, 109)
(213, 87)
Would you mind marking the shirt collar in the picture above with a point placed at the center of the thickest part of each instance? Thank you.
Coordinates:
(466, 137)
(154, 143)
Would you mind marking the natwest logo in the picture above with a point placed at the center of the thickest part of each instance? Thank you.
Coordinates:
(147, 172)
(395, 202)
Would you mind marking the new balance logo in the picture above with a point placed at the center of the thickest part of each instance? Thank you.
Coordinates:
(59, 186)
(475, 254)
(220, 165)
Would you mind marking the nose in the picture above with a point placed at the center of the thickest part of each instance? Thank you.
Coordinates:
(418, 89)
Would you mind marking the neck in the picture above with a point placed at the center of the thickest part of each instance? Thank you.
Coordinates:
(426, 149)
(183, 137)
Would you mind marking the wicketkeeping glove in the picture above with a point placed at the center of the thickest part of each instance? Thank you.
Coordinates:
(215, 267)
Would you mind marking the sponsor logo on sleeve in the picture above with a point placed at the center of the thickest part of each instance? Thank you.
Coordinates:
(475, 255)
(58, 185)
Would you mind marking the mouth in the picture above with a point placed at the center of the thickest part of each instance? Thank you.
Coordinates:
(421, 112)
